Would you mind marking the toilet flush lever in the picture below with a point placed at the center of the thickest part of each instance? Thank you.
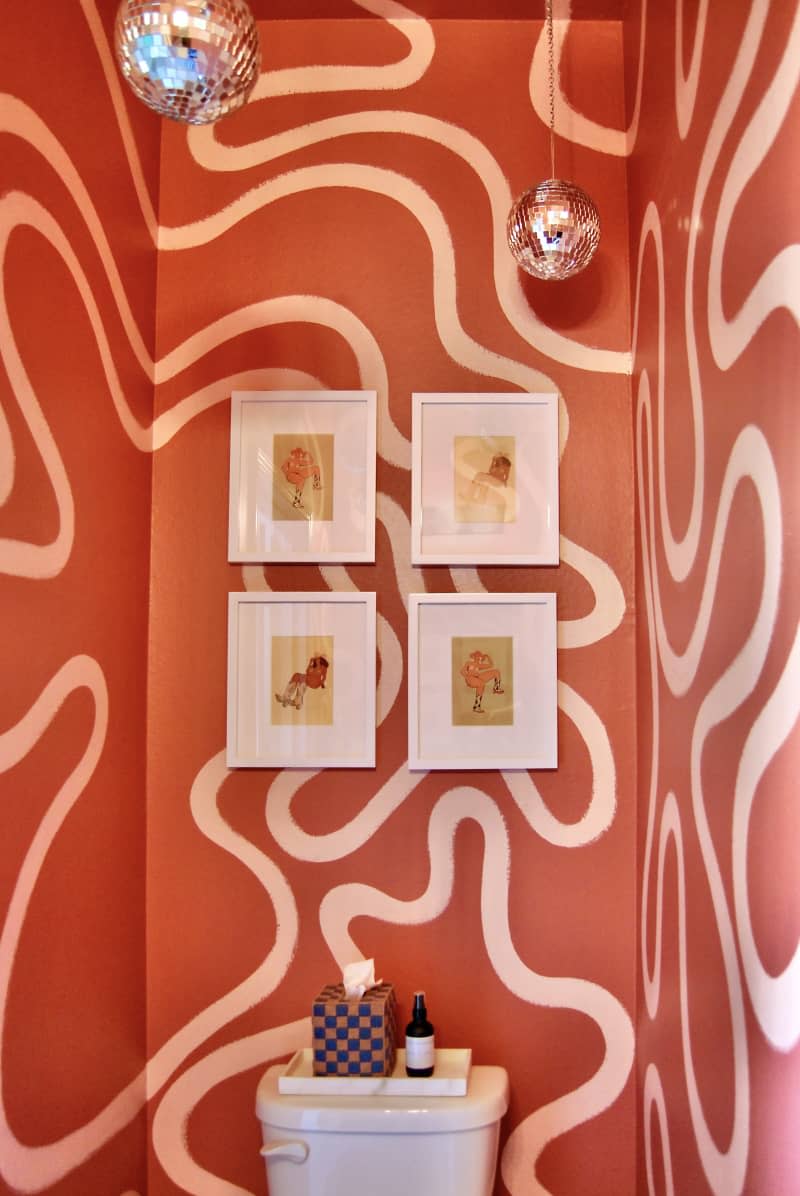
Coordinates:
(297, 1152)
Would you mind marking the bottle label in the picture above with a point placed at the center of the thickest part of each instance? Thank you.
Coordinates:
(420, 1052)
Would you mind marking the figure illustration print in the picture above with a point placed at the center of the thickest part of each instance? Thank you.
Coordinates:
(298, 467)
(298, 683)
(478, 670)
(484, 489)
(302, 680)
(302, 476)
(482, 670)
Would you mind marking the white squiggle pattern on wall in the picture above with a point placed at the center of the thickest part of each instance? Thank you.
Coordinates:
(399, 189)
(19, 120)
(602, 805)
(346, 839)
(308, 80)
(714, 677)
(777, 286)
(776, 999)
(176, 1106)
(346, 902)
(609, 600)
(34, 1169)
(20, 558)
(686, 85)
(213, 156)
(171, 1118)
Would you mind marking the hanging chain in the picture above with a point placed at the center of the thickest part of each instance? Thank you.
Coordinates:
(551, 76)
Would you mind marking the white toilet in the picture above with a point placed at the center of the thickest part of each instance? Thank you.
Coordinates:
(324, 1145)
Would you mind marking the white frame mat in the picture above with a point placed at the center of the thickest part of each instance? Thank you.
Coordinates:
(482, 682)
(302, 476)
(484, 479)
(285, 710)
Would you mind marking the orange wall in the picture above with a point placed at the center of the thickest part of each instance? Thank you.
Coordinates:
(530, 959)
(76, 340)
(382, 236)
(715, 287)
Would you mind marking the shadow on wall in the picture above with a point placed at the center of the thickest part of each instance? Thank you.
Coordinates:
(570, 302)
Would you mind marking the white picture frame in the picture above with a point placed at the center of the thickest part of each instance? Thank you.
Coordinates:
(301, 680)
(482, 683)
(302, 476)
(484, 479)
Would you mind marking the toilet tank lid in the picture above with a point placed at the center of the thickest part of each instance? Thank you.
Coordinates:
(485, 1102)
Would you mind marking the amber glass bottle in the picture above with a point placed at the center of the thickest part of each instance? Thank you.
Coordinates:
(420, 1056)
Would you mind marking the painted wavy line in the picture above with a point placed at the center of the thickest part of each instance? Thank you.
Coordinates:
(397, 188)
(334, 845)
(307, 309)
(568, 123)
(750, 459)
(609, 598)
(653, 1099)
(346, 902)
(33, 1168)
(775, 998)
(363, 826)
(608, 609)
(20, 558)
(114, 85)
(20, 210)
(680, 669)
(726, 1169)
(393, 446)
(309, 80)
(681, 554)
(416, 31)
(19, 120)
(686, 85)
(390, 653)
(408, 578)
(212, 155)
(777, 286)
(602, 805)
(171, 1118)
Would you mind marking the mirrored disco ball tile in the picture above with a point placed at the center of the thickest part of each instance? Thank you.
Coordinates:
(194, 61)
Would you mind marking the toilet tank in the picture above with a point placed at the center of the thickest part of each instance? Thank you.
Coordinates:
(324, 1145)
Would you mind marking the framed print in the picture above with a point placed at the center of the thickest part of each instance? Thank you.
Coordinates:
(302, 476)
(482, 681)
(484, 479)
(301, 680)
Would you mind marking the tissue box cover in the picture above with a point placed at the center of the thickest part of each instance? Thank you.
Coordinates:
(354, 1036)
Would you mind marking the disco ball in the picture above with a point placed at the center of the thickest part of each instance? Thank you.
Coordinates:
(193, 61)
(553, 230)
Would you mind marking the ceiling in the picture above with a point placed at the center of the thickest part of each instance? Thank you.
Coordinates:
(497, 10)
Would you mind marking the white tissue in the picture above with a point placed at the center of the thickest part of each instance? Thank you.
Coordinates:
(358, 977)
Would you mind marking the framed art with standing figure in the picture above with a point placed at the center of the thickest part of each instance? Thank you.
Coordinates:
(484, 481)
(301, 680)
(482, 689)
(302, 476)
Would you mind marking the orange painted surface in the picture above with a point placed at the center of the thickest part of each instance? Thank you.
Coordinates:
(716, 445)
(74, 559)
(162, 912)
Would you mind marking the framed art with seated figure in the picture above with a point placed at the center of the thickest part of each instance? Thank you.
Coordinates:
(301, 680)
(484, 483)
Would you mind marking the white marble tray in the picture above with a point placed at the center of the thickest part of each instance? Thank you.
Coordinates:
(450, 1077)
